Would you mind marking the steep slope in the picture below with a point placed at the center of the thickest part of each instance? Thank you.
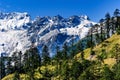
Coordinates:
(105, 49)
(109, 60)
(13, 20)
(13, 32)
(17, 31)
(14, 41)
(55, 31)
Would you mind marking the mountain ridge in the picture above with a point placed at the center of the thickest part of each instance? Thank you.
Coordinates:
(50, 31)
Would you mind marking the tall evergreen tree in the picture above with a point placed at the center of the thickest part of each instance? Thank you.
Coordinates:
(116, 12)
(101, 30)
(9, 68)
(112, 23)
(116, 51)
(107, 74)
(33, 57)
(72, 53)
(19, 61)
(107, 17)
(2, 66)
(116, 15)
(58, 57)
(97, 37)
(33, 61)
(65, 51)
(65, 71)
(76, 70)
(16, 76)
(45, 55)
(15, 60)
(116, 71)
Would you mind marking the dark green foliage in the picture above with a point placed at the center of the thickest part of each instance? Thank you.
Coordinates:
(16, 59)
(46, 74)
(65, 51)
(58, 55)
(9, 68)
(72, 51)
(117, 22)
(45, 55)
(87, 75)
(68, 67)
(118, 30)
(82, 55)
(16, 76)
(92, 52)
(102, 56)
(32, 59)
(116, 71)
(116, 52)
(107, 17)
(2, 66)
(107, 74)
(76, 70)
(65, 70)
(86, 64)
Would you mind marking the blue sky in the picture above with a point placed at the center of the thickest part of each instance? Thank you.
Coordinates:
(95, 9)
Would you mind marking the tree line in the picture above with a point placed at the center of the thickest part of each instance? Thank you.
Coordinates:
(67, 66)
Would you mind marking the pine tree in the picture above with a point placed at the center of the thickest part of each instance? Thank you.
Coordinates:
(26, 62)
(65, 71)
(107, 17)
(9, 68)
(112, 23)
(116, 15)
(107, 74)
(2, 66)
(116, 51)
(72, 53)
(118, 30)
(116, 71)
(58, 55)
(32, 60)
(82, 55)
(15, 61)
(79, 47)
(45, 55)
(20, 61)
(65, 53)
(58, 58)
(101, 30)
(16, 76)
(97, 37)
(76, 70)
(116, 12)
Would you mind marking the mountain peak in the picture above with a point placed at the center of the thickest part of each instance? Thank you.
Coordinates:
(51, 31)
(14, 20)
(84, 17)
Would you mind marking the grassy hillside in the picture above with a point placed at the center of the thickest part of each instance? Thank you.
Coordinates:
(37, 74)
(104, 55)
(106, 47)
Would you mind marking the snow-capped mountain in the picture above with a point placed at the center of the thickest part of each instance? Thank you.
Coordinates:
(13, 20)
(13, 32)
(17, 31)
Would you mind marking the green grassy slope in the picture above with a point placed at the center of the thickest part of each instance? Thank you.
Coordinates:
(108, 57)
(108, 47)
